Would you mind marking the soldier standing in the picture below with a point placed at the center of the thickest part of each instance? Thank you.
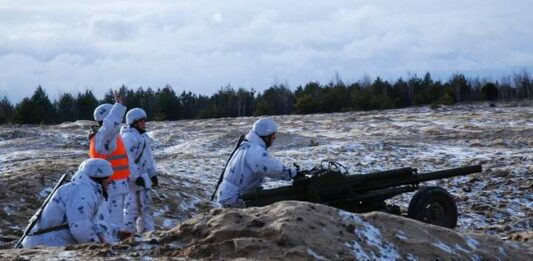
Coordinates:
(139, 212)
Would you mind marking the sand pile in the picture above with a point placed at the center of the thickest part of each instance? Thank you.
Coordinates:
(294, 230)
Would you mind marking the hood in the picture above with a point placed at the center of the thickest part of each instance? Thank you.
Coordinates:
(128, 129)
(254, 138)
(81, 177)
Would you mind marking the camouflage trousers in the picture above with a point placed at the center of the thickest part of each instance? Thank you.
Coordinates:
(139, 216)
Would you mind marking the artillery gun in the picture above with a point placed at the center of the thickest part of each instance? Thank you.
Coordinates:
(330, 184)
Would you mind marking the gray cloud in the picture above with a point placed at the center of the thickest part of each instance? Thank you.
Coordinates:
(202, 45)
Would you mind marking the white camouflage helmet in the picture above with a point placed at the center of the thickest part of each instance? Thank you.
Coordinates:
(265, 126)
(102, 111)
(96, 168)
(134, 115)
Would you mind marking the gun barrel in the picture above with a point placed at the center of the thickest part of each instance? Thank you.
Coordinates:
(387, 174)
(448, 173)
(339, 188)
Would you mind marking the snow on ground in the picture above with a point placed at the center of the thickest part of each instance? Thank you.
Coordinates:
(190, 155)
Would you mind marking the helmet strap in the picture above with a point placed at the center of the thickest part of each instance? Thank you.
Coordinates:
(267, 140)
(100, 181)
(135, 125)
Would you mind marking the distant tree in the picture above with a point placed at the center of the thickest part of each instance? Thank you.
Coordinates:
(226, 102)
(208, 112)
(461, 87)
(25, 112)
(379, 92)
(167, 104)
(149, 103)
(335, 97)
(360, 97)
(6, 111)
(134, 99)
(400, 94)
(245, 102)
(313, 97)
(275, 100)
(66, 108)
(490, 91)
(523, 84)
(86, 103)
(447, 95)
(109, 97)
(308, 98)
(36, 110)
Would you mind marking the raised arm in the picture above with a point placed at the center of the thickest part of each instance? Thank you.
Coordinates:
(107, 134)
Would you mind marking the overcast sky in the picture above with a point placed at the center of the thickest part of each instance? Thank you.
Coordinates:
(67, 46)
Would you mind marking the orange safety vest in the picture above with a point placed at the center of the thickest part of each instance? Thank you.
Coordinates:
(118, 159)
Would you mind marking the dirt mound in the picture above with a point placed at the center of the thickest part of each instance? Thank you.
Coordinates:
(296, 231)
(80, 124)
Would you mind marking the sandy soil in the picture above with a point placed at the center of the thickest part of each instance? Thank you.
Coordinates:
(292, 230)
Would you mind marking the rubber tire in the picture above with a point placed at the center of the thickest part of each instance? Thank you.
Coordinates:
(427, 195)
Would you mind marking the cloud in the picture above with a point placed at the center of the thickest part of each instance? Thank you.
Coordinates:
(202, 45)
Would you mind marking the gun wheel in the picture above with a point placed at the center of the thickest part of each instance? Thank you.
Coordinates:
(433, 205)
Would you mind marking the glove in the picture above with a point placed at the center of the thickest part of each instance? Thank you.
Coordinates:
(297, 173)
(294, 173)
(140, 182)
(155, 181)
(124, 234)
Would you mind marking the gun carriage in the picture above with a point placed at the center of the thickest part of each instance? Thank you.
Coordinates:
(331, 184)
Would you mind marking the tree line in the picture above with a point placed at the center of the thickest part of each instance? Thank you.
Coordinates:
(164, 104)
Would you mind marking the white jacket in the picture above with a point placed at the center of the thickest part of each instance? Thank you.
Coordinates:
(138, 143)
(77, 204)
(105, 142)
(248, 168)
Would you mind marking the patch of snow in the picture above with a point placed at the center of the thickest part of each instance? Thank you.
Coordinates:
(357, 250)
(372, 236)
(7, 210)
(161, 211)
(502, 251)
(444, 247)
(477, 258)
(45, 192)
(315, 255)
(472, 243)
(168, 223)
(189, 205)
(401, 235)
(67, 255)
(458, 247)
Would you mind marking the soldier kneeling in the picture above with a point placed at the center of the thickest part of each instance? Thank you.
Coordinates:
(75, 214)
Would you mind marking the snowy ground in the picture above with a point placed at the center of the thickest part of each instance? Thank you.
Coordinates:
(190, 155)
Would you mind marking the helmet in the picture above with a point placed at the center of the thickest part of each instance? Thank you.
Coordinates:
(134, 115)
(102, 111)
(265, 127)
(96, 168)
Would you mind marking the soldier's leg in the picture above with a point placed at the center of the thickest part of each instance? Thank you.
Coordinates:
(131, 212)
(116, 209)
(146, 220)
(238, 203)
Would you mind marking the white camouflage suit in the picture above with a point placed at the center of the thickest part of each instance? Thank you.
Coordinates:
(105, 143)
(81, 205)
(247, 170)
(138, 210)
